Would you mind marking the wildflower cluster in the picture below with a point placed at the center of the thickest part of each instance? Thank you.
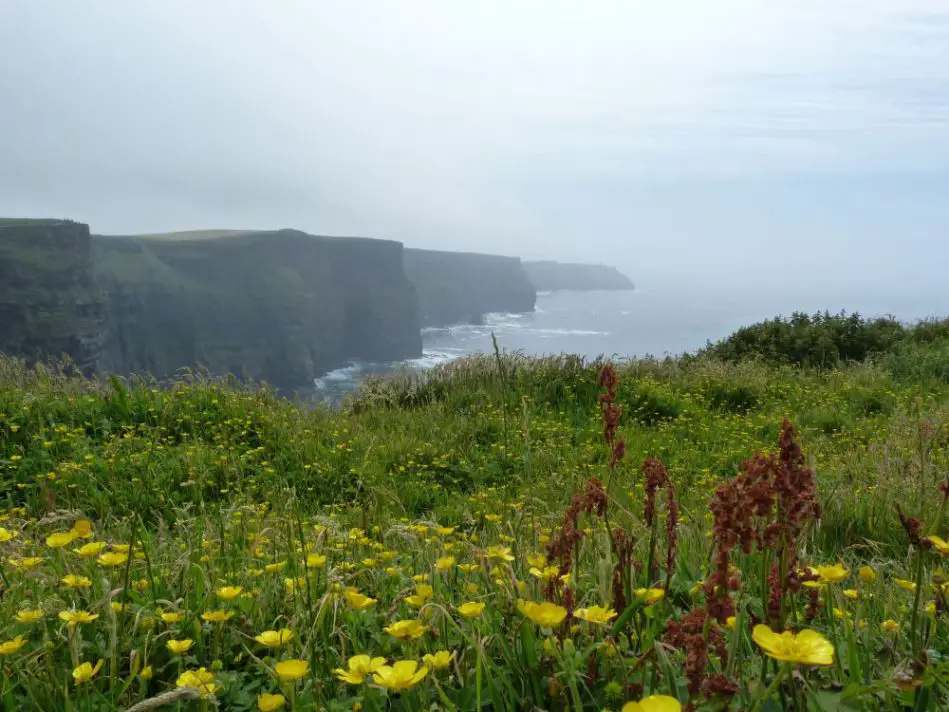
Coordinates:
(180, 565)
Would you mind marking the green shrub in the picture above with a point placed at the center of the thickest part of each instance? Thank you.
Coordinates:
(823, 340)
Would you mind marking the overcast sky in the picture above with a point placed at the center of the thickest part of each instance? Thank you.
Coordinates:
(803, 142)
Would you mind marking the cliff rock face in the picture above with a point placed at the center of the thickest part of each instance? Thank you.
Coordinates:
(281, 306)
(49, 304)
(553, 276)
(459, 287)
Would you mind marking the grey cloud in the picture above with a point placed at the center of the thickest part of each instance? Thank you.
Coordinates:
(536, 128)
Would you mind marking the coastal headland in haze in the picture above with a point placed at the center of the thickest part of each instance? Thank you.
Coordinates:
(281, 306)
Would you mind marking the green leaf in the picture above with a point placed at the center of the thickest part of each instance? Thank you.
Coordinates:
(833, 701)
(625, 617)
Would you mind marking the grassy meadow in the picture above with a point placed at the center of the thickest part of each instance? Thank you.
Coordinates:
(757, 527)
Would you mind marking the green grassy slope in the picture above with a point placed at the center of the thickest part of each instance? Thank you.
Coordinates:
(456, 522)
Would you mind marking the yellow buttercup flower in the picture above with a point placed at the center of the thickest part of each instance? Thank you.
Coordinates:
(537, 561)
(730, 623)
(358, 601)
(851, 593)
(275, 567)
(270, 702)
(9, 647)
(445, 563)
(274, 638)
(85, 672)
(228, 593)
(178, 647)
(93, 548)
(112, 558)
(423, 594)
(544, 614)
(890, 626)
(406, 629)
(29, 615)
(171, 617)
(499, 553)
(471, 609)
(77, 617)
(867, 574)
(58, 540)
(546, 574)
(146, 672)
(201, 680)
(596, 615)
(25, 564)
(359, 667)
(315, 561)
(217, 616)
(834, 573)
(468, 568)
(403, 675)
(291, 670)
(439, 660)
(654, 703)
(650, 595)
(905, 585)
(75, 581)
(293, 584)
(6, 535)
(82, 529)
(807, 647)
(939, 544)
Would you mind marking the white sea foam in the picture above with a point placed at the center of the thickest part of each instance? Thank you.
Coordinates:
(434, 357)
(568, 332)
(339, 376)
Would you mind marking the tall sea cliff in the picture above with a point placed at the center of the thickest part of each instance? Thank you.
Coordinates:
(282, 306)
(50, 304)
(461, 287)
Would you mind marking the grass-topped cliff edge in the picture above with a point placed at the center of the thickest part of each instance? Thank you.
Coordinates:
(498, 533)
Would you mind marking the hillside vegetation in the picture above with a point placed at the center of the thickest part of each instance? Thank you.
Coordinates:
(499, 533)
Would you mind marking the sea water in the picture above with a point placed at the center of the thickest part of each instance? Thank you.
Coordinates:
(646, 322)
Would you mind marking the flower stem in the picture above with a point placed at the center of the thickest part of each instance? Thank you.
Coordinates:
(782, 672)
(914, 620)
(832, 626)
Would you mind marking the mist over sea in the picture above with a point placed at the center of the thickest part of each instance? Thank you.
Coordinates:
(649, 321)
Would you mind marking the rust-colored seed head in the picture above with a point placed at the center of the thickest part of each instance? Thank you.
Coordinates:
(913, 528)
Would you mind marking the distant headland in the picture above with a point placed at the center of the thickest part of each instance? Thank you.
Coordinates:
(548, 276)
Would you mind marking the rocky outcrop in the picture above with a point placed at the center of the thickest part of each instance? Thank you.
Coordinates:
(281, 306)
(555, 276)
(460, 287)
(50, 305)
